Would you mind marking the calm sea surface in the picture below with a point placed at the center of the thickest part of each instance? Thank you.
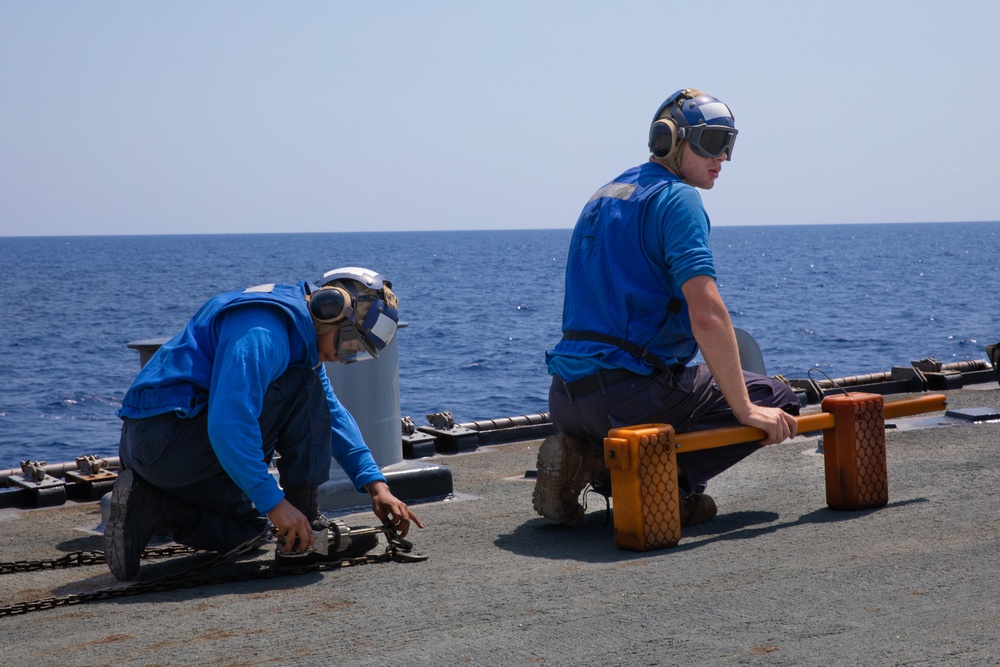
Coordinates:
(481, 308)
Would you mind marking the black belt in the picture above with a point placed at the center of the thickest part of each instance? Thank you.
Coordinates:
(605, 377)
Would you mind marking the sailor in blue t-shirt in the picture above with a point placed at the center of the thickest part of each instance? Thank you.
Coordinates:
(245, 380)
(640, 302)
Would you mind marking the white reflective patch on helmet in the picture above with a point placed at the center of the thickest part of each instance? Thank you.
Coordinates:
(384, 328)
(268, 287)
(714, 110)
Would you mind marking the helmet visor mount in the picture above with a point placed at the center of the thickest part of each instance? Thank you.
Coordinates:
(710, 140)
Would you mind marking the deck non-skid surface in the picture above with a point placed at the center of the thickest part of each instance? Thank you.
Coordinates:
(776, 579)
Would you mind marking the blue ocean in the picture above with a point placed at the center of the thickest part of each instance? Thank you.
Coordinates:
(481, 309)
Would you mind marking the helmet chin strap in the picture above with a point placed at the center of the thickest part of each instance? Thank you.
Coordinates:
(672, 160)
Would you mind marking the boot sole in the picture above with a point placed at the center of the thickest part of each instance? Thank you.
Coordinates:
(115, 541)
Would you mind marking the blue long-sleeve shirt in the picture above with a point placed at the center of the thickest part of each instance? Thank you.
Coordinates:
(254, 349)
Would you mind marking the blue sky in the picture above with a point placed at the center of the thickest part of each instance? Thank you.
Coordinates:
(232, 117)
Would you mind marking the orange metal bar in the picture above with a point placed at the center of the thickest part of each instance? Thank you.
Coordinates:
(915, 406)
(721, 437)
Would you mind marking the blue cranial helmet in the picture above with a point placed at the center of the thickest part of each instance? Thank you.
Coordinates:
(705, 122)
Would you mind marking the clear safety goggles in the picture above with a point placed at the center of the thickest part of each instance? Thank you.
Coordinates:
(358, 343)
(352, 345)
(711, 140)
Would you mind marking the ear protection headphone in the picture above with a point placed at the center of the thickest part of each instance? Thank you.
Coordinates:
(663, 135)
(331, 304)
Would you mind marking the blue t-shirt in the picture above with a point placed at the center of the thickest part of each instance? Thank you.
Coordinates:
(638, 240)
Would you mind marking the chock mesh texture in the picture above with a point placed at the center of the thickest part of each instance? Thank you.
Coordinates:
(661, 507)
(872, 473)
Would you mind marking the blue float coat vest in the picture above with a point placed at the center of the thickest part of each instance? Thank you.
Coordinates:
(178, 376)
(624, 271)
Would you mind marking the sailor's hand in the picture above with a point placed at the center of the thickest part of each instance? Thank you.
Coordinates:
(390, 509)
(778, 424)
(289, 525)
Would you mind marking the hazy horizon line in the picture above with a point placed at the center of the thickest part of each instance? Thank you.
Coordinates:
(494, 229)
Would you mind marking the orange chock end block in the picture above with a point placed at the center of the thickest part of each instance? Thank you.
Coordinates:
(644, 488)
(854, 452)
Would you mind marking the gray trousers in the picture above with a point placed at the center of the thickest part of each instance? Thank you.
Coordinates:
(688, 400)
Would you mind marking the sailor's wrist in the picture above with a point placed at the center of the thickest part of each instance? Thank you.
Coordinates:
(376, 487)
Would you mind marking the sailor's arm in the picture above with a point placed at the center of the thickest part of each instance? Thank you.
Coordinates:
(354, 456)
(252, 352)
(713, 330)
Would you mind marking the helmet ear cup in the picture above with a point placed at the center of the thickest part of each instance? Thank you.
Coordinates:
(662, 137)
(330, 304)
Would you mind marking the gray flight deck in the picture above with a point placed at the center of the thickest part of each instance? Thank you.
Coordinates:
(776, 579)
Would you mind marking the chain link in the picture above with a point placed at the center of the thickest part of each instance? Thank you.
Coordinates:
(81, 558)
(398, 550)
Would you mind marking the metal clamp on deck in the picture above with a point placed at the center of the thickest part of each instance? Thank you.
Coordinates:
(450, 436)
(46, 490)
(416, 444)
(91, 477)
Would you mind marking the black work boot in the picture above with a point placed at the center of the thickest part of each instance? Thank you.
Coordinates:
(333, 539)
(138, 510)
(697, 508)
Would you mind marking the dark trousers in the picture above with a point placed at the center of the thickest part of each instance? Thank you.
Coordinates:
(688, 400)
(176, 456)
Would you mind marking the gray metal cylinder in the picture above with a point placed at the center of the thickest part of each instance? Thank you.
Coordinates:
(370, 392)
